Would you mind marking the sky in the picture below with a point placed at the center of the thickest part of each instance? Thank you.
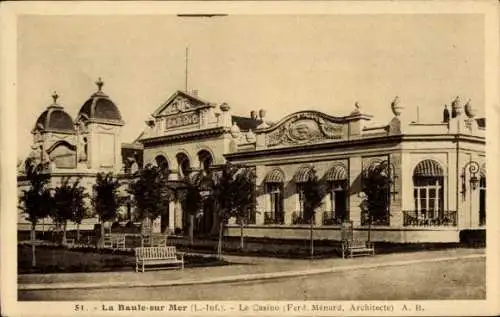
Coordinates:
(282, 63)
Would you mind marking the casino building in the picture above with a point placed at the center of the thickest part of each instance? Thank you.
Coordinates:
(437, 170)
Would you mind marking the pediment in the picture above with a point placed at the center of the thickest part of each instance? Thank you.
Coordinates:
(305, 127)
(179, 103)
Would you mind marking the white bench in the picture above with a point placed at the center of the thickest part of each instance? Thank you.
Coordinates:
(145, 256)
(351, 248)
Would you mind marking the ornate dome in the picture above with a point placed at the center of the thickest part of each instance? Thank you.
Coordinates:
(100, 108)
(54, 119)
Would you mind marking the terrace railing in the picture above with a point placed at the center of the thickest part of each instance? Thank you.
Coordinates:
(271, 218)
(377, 219)
(423, 219)
(329, 220)
(298, 219)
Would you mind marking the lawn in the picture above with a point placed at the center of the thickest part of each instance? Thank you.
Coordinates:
(300, 249)
(52, 259)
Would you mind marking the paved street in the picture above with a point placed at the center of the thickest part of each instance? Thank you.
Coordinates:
(453, 279)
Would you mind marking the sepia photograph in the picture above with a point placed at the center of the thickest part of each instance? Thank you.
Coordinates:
(213, 160)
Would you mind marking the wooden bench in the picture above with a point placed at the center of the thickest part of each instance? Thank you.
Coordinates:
(108, 241)
(118, 241)
(145, 256)
(351, 248)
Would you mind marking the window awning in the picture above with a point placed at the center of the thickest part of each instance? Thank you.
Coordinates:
(428, 168)
(302, 175)
(275, 176)
(336, 173)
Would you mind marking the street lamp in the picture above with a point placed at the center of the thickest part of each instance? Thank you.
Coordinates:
(473, 168)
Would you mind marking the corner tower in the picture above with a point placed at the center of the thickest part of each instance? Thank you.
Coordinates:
(99, 124)
(54, 138)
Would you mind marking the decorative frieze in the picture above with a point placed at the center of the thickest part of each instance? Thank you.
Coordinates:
(305, 128)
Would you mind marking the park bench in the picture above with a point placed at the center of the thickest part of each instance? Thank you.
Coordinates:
(145, 256)
(118, 241)
(114, 241)
(108, 241)
(351, 248)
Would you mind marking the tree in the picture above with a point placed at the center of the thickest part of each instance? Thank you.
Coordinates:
(36, 202)
(80, 213)
(313, 191)
(244, 186)
(191, 194)
(233, 193)
(69, 200)
(376, 186)
(105, 199)
(151, 192)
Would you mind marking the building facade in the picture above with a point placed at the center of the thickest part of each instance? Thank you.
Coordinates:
(437, 171)
(77, 149)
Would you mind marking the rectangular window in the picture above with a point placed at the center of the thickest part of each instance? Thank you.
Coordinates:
(428, 198)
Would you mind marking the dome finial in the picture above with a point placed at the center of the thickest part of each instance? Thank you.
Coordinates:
(55, 96)
(99, 83)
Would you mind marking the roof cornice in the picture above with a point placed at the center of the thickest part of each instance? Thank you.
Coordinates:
(359, 142)
(183, 136)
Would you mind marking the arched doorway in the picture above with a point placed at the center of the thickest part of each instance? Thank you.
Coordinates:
(206, 160)
(428, 192)
(184, 168)
(205, 220)
(274, 191)
(184, 165)
(336, 178)
(162, 162)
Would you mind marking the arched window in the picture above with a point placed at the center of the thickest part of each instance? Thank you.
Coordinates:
(301, 176)
(336, 178)
(162, 163)
(205, 159)
(184, 164)
(428, 191)
(273, 183)
(377, 180)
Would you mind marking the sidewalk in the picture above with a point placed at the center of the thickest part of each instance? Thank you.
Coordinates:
(242, 268)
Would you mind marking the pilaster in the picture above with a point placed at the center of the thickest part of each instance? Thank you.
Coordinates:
(355, 169)
(396, 213)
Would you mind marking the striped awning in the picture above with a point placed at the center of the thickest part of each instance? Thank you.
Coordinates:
(302, 175)
(275, 176)
(336, 173)
(428, 168)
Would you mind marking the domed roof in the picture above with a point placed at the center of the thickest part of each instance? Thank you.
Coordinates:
(100, 108)
(54, 119)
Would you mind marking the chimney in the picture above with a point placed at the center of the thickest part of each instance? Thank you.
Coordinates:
(195, 92)
(253, 114)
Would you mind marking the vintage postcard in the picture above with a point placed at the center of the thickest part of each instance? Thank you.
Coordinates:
(250, 158)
